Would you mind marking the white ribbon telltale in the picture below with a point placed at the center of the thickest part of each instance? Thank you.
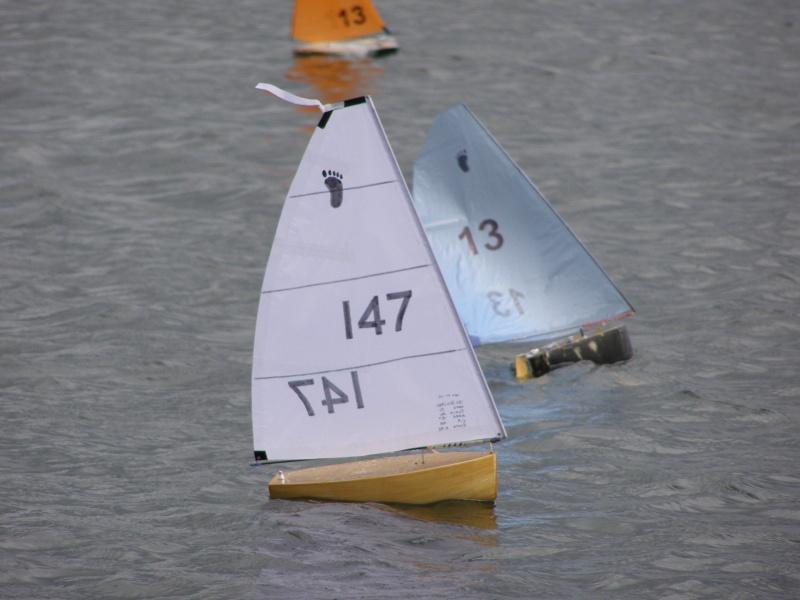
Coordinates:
(292, 98)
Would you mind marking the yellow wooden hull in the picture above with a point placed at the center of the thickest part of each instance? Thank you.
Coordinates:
(403, 479)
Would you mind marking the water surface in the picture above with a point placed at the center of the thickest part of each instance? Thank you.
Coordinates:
(141, 178)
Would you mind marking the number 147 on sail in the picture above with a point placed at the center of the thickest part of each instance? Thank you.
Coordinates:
(333, 394)
(371, 317)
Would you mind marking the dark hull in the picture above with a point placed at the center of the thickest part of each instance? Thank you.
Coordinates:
(601, 347)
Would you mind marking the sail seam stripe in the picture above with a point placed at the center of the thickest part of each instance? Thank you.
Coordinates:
(350, 368)
(358, 187)
(308, 285)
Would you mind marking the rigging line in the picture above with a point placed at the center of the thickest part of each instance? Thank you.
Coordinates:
(603, 321)
(347, 189)
(308, 285)
(352, 367)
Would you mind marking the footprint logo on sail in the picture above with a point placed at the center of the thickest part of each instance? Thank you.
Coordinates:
(333, 181)
(461, 159)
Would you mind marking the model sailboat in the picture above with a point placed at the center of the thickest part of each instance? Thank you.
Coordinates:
(359, 350)
(515, 270)
(340, 27)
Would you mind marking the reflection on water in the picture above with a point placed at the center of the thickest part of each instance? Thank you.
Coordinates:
(458, 512)
(333, 78)
(137, 219)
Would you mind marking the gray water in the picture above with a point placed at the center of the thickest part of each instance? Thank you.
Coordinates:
(141, 178)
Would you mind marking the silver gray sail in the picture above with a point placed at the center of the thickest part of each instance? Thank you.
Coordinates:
(515, 270)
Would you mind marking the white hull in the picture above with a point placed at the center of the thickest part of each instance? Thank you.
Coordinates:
(361, 47)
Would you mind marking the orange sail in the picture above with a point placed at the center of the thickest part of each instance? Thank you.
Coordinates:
(335, 20)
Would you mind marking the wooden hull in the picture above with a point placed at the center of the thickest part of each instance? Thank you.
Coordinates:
(601, 347)
(403, 479)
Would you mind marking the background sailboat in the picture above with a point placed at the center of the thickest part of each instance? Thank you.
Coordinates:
(340, 27)
(358, 348)
(515, 270)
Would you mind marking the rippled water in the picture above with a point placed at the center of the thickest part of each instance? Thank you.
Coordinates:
(141, 178)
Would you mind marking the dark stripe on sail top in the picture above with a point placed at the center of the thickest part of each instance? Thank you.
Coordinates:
(352, 367)
(354, 101)
(324, 120)
(308, 285)
(347, 103)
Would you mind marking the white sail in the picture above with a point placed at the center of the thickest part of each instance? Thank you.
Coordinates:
(358, 347)
(513, 267)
